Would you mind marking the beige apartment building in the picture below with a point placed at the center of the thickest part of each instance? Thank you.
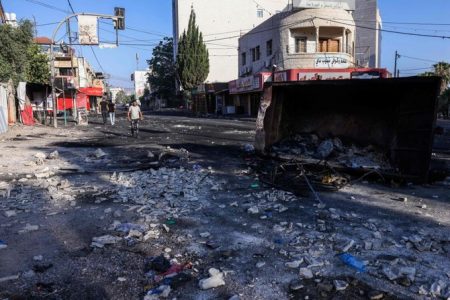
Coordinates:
(299, 39)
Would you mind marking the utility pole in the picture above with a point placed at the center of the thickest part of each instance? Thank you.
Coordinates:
(397, 56)
(119, 25)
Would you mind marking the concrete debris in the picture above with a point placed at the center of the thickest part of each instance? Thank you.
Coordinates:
(101, 241)
(294, 264)
(306, 273)
(40, 155)
(375, 295)
(340, 285)
(29, 228)
(253, 210)
(150, 154)
(215, 280)
(205, 234)
(10, 213)
(53, 155)
(260, 264)
(99, 153)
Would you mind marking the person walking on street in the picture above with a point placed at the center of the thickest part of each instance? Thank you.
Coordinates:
(134, 115)
(112, 112)
(104, 109)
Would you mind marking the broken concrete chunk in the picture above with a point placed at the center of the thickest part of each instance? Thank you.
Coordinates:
(10, 213)
(40, 155)
(253, 210)
(215, 280)
(101, 241)
(294, 264)
(53, 155)
(29, 228)
(99, 153)
(306, 273)
(340, 285)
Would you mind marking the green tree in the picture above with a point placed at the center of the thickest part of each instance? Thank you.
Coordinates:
(14, 44)
(38, 70)
(442, 69)
(162, 66)
(192, 57)
(122, 98)
(20, 58)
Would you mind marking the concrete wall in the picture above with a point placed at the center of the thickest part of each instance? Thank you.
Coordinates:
(222, 22)
(368, 41)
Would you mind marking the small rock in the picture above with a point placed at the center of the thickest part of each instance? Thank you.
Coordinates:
(28, 274)
(215, 280)
(121, 279)
(436, 288)
(260, 264)
(306, 273)
(40, 155)
(99, 153)
(234, 204)
(253, 210)
(294, 264)
(10, 213)
(205, 235)
(340, 285)
(325, 149)
(150, 154)
(377, 235)
(38, 258)
(423, 206)
(403, 199)
(235, 297)
(375, 295)
(29, 228)
(53, 155)
(118, 213)
(296, 285)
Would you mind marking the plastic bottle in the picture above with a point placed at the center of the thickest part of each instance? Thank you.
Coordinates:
(353, 262)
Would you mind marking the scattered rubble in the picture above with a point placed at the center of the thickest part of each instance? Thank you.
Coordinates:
(215, 280)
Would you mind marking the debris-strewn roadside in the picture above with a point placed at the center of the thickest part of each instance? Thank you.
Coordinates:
(188, 231)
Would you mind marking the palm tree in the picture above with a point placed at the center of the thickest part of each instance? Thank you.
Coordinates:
(442, 69)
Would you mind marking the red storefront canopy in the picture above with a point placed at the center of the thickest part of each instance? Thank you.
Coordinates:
(92, 91)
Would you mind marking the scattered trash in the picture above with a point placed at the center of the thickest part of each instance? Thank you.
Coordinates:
(10, 213)
(3, 245)
(249, 148)
(215, 280)
(254, 185)
(159, 264)
(160, 291)
(353, 262)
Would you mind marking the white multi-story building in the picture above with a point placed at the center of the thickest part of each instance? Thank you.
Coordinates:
(223, 22)
(140, 79)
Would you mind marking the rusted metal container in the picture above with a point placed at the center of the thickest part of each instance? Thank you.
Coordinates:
(396, 114)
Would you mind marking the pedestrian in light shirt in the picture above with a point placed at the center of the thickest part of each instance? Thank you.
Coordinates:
(112, 112)
(134, 115)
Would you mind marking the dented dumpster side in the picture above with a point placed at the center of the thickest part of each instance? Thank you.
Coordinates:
(398, 115)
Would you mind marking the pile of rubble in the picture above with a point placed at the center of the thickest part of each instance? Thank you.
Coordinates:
(310, 146)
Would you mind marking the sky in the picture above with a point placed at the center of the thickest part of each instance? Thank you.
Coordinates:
(148, 21)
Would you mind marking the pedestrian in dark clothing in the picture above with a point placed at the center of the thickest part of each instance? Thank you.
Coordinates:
(112, 112)
(104, 109)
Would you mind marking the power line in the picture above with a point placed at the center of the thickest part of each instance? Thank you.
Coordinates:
(388, 31)
(419, 59)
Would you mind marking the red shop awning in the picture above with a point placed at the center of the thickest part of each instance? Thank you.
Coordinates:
(92, 91)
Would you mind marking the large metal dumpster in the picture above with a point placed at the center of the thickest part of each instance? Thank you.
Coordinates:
(397, 114)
